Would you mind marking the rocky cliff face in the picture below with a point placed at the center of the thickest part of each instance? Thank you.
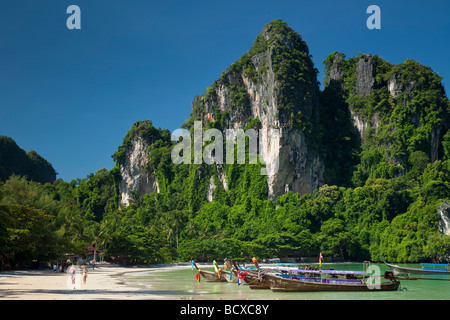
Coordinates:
(377, 92)
(259, 89)
(444, 221)
(362, 85)
(136, 176)
(394, 110)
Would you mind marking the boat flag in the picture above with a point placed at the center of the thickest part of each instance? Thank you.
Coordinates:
(197, 276)
(192, 264)
(321, 259)
(241, 275)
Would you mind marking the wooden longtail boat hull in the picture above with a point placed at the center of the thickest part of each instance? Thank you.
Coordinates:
(212, 276)
(209, 276)
(406, 270)
(255, 282)
(251, 279)
(261, 286)
(226, 275)
(280, 284)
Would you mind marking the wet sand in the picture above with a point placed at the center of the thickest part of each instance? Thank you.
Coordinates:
(103, 283)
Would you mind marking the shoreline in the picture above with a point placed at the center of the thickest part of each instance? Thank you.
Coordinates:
(105, 282)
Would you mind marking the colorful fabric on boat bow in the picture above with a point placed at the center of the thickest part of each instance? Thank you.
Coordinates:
(241, 276)
(226, 264)
(217, 268)
(197, 276)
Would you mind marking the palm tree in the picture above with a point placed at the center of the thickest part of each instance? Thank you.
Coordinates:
(93, 232)
(191, 228)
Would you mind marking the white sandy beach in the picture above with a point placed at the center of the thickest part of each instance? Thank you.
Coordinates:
(103, 283)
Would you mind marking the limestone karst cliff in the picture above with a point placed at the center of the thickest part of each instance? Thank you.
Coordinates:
(398, 111)
(372, 120)
(444, 215)
(273, 85)
(136, 177)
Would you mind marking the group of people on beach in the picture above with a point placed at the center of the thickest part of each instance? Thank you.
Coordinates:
(73, 272)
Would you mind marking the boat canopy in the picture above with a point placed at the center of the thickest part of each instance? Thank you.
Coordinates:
(426, 266)
(287, 269)
(331, 271)
(274, 259)
(297, 270)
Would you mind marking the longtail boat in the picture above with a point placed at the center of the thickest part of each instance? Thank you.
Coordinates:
(210, 276)
(314, 280)
(279, 283)
(427, 269)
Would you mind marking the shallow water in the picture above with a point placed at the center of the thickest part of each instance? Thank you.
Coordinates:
(181, 284)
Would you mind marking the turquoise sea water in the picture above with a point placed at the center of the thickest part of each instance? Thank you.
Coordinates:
(181, 284)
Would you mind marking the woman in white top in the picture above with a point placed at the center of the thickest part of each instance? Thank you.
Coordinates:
(84, 274)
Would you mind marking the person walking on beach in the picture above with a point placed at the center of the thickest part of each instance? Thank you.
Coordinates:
(72, 273)
(84, 274)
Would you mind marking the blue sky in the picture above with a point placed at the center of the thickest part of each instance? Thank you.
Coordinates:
(72, 95)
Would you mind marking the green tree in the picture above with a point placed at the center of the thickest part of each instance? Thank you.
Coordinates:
(336, 240)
